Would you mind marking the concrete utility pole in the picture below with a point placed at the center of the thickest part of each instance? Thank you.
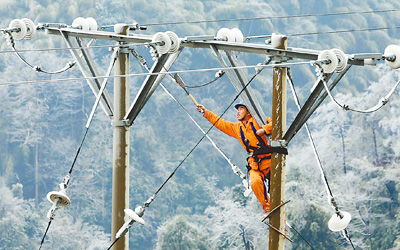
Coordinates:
(278, 218)
(121, 145)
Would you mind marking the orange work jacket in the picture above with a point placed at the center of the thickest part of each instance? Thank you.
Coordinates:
(233, 129)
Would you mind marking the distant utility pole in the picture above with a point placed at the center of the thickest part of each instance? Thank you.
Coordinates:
(278, 218)
(121, 145)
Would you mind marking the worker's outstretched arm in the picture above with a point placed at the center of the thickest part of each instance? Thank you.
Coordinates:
(225, 126)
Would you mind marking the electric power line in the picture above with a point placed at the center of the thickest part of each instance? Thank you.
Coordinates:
(326, 32)
(45, 233)
(270, 18)
(72, 48)
(156, 74)
(35, 67)
(219, 74)
(375, 108)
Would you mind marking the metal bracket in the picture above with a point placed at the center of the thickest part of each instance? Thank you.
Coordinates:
(277, 143)
(121, 123)
(197, 38)
(280, 59)
(124, 50)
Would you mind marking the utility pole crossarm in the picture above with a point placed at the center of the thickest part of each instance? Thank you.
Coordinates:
(298, 53)
(101, 35)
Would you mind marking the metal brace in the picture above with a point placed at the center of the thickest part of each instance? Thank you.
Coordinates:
(277, 143)
(123, 50)
(121, 123)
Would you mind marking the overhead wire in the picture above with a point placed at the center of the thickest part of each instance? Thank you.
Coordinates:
(273, 17)
(325, 32)
(110, 46)
(331, 200)
(156, 74)
(45, 233)
(35, 67)
(72, 48)
(219, 74)
(383, 101)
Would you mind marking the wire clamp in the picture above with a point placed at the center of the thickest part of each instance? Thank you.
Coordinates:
(149, 201)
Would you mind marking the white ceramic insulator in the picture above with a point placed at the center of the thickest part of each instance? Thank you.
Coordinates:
(64, 200)
(239, 38)
(393, 50)
(342, 59)
(175, 42)
(121, 28)
(226, 35)
(328, 55)
(80, 23)
(18, 24)
(276, 40)
(30, 28)
(162, 37)
(337, 224)
(133, 216)
(92, 23)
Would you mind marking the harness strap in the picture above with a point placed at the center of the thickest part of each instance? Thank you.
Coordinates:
(260, 140)
(269, 150)
(246, 142)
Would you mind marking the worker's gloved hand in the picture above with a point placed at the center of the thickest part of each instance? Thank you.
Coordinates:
(260, 132)
(201, 108)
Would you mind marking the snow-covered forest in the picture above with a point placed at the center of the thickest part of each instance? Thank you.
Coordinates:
(202, 206)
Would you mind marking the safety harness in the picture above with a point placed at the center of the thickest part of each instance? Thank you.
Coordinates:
(262, 147)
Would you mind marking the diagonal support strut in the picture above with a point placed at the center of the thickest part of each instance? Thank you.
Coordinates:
(94, 84)
(237, 80)
(149, 85)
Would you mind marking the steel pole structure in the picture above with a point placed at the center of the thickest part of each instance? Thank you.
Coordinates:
(277, 219)
(121, 145)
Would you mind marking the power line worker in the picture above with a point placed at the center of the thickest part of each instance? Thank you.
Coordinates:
(252, 138)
